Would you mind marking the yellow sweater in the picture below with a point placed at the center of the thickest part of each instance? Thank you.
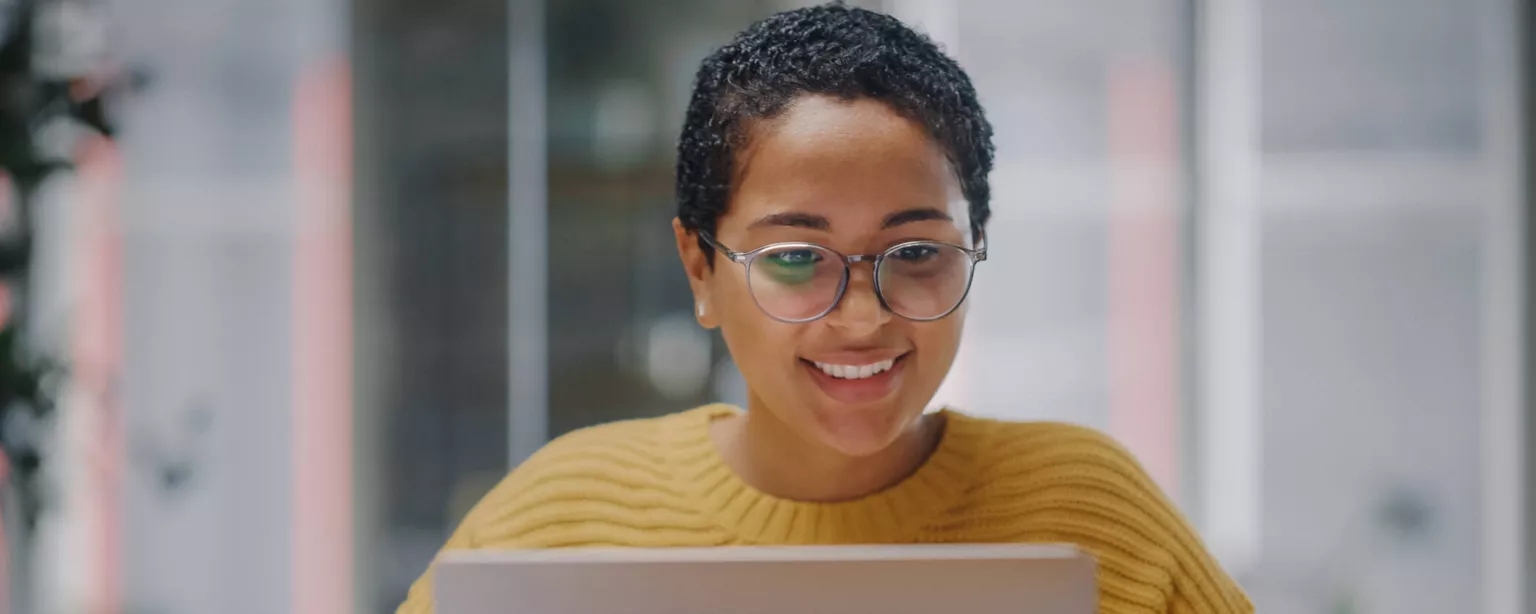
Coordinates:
(661, 483)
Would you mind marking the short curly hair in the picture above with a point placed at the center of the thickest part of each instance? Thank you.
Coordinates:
(835, 50)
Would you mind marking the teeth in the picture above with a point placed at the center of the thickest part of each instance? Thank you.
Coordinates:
(855, 371)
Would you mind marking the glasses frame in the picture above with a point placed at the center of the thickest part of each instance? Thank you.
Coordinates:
(745, 259)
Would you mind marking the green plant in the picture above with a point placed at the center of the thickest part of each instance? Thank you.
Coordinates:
(50, 78)
(27, 405)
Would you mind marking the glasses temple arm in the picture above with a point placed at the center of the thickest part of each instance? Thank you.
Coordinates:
(734, 256)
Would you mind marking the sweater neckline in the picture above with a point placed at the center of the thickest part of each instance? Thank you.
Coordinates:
(891, 515)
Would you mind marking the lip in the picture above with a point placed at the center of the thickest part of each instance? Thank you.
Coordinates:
(858, 391)
(857, 358)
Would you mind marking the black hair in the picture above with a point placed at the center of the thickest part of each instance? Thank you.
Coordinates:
(833, 50)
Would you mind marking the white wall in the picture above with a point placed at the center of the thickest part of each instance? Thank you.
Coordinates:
(203, 511)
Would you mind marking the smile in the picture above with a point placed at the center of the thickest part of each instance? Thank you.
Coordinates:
(865, 382)
(856, 371)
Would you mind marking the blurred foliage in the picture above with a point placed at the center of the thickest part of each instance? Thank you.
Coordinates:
(27, 403)
(41, 116)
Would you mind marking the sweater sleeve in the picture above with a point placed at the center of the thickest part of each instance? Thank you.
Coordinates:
(419, 600)
(487, 523)
(1199, 585)
(502, 518)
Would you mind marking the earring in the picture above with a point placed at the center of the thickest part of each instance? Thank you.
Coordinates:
(701, 309)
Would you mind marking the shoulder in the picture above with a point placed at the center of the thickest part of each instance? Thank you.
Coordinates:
(1053, 444)
(615, 466)
(1074, 473)
(637, 437)
(1072, 482)
(1071, 461)
(1078, 466)
(597, 451)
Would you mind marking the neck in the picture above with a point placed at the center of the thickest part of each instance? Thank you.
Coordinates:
(774, 459)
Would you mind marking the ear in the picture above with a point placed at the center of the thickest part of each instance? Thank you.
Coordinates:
(696, 265)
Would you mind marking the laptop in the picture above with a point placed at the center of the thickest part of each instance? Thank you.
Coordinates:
(896, 579)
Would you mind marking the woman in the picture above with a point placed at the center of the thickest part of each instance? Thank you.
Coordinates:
(832, 195)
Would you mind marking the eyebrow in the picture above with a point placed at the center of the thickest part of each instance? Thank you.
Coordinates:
(922, 214)
(799, 220)
(817, 222)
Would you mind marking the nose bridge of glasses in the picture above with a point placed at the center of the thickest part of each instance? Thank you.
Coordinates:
(861, 274)
(861, 295)
(865, 275)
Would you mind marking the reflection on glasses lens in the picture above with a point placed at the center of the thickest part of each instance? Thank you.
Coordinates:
(791, 267)
(796, 282)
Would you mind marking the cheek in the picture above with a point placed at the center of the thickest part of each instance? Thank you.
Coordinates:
(938, 342)
(758, 344)
(729, 297)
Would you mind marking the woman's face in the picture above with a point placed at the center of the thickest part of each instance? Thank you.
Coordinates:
(858, 178)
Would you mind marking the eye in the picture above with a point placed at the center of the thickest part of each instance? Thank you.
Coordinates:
(915, 254)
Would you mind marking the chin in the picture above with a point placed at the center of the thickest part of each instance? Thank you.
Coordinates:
(861, 432)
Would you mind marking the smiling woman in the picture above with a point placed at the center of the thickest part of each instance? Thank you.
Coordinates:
(837, 163)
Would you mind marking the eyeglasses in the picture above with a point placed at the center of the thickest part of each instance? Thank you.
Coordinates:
(803, 282)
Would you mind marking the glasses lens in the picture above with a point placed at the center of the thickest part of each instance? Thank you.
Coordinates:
(796, 282)
(923, 281)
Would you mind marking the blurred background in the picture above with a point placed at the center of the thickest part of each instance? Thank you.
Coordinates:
(289, 284)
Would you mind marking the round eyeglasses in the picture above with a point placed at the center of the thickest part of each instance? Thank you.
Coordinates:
(802, 282)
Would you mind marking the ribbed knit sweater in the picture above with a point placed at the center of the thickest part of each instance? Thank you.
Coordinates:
(661, 482)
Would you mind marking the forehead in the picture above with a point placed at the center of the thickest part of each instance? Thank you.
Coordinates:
(849, 160)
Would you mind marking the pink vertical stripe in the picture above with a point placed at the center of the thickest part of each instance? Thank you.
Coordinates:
(1144, 266)
(322, 344)
(96, 364)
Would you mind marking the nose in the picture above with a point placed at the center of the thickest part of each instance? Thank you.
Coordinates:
(859, 313)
